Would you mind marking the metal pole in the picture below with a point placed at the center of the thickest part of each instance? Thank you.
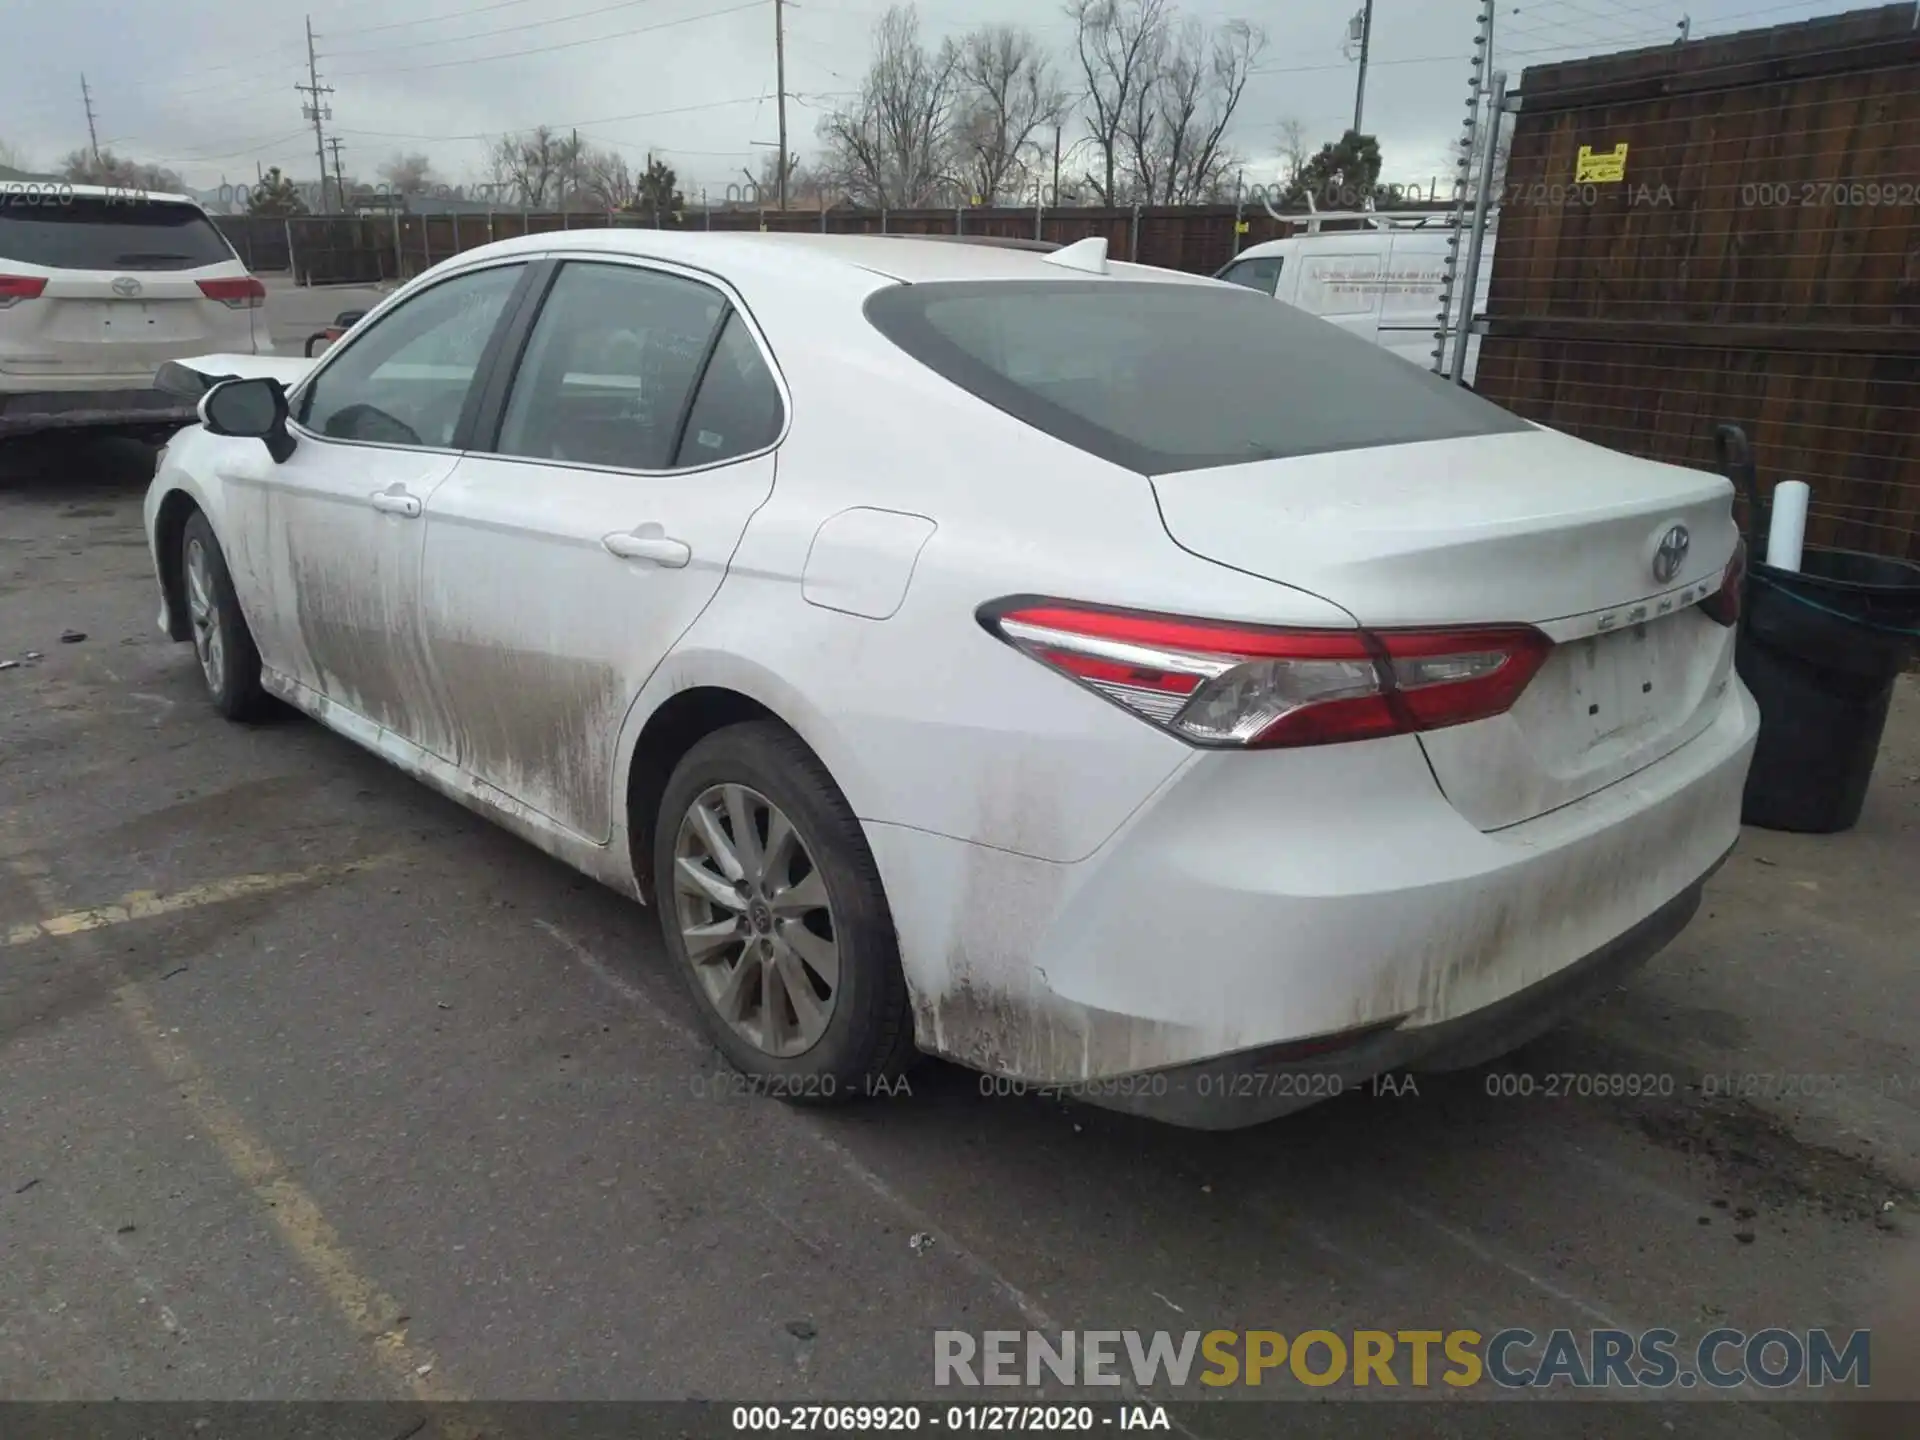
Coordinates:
(883, 204)
(780, 82)
(399, 255)
(1133, 243)
(1479, 225)
(291, 266)
(426, 243)
(1239, 207)
(1039, 209)
(315, 90)
(1360, 89)
(456, 232)
(1467, 146)
(959, 220)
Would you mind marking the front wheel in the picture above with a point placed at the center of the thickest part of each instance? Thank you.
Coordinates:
(229, 663)
(772, 908)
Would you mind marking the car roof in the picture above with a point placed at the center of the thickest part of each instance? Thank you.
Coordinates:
(906, 259)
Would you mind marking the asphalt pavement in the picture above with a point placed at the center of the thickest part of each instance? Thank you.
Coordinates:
(314, 1085)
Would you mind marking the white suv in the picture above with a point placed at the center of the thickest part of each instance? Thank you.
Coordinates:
(98, 287)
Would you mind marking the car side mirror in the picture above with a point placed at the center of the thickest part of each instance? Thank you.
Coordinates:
(347, 319)
(253, 408)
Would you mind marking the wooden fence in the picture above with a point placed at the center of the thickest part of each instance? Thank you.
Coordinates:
(370, 248)
(1759, 261)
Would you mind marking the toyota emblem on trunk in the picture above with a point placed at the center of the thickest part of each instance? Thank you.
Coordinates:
(1671, 554)
(126, 285)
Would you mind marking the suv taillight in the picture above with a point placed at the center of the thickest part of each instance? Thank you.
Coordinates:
(1724, 604)
(1219, 684)
(20, 287)
(245, 293)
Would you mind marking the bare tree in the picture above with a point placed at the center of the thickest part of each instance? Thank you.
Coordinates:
(1175, 131)
(1118, 46)
(408, 174)
(1291, 140)
(607, 180)
(893, 146)
(536, 168)
(12, 157)
(1007, 92)
(111, 169)
(806, 184)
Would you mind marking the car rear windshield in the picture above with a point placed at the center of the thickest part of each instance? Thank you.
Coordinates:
(1161, 377)
(89, 232)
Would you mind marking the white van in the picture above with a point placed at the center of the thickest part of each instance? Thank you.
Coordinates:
(1383, 283)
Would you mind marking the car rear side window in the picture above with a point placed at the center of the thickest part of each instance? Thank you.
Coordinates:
(737, 408)
(89, 232)
(1160, 377)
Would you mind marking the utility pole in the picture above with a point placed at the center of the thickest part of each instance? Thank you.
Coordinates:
(339, 176)
(1056, 162)
(316, 111)
(1363, 23)
(1685, 27)
(780, 83)
(93, 133)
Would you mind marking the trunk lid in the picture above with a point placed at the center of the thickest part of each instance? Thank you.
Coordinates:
(1531, 527)
(85, 326)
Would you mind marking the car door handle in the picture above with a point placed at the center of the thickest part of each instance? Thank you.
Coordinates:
(649, 543)
(396, 502)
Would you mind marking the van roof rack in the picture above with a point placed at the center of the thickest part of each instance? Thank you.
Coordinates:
(1313, 217)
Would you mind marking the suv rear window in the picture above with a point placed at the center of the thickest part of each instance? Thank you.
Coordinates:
(1162, 377)
(91, 232)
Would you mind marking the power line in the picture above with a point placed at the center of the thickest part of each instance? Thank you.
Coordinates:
(549, 49)
(540, 24)
(561, 125)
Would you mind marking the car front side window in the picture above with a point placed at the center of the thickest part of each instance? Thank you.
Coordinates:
(404, 379)
(1261, 272)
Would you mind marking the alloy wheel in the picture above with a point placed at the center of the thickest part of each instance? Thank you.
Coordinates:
(208, 642)
(753, 911)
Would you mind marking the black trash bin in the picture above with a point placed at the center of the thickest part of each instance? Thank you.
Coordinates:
(1820, 648)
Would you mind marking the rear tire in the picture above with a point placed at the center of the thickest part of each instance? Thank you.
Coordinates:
(229, 660)
(772, 909)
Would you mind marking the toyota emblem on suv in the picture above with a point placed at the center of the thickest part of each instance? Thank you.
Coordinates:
(126, 286)
(1671, 554)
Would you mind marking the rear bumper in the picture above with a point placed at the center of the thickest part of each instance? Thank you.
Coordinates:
(1322, 915)
(32, 411)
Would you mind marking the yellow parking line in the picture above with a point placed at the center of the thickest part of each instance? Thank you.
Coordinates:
(368, 1310)
(142, 904)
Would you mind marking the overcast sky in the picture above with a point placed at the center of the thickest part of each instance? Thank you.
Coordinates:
(206, 86)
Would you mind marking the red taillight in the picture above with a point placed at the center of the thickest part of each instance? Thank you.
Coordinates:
(20, 287)
(1249, 685)
(1724, 604)
(245, 293)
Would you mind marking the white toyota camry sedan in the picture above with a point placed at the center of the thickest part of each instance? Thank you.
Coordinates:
(1103, 677)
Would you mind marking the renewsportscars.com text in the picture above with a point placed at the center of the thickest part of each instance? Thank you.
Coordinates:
(1512, 1359)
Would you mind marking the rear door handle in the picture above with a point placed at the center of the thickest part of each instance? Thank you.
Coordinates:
(396, 501)
(649, 542)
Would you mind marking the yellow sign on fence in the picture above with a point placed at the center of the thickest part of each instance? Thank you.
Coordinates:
(1602, 167)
